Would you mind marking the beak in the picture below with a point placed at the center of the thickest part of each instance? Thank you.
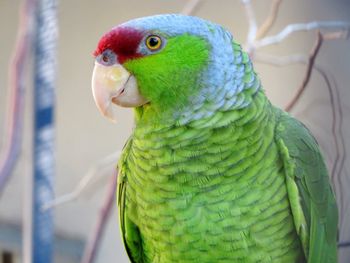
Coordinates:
(114, 84)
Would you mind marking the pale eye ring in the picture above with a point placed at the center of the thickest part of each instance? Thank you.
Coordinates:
(153, 42)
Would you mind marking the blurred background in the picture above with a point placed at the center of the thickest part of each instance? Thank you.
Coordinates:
(83, 137)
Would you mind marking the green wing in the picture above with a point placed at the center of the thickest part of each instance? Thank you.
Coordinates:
(130, 232)
(311, 197)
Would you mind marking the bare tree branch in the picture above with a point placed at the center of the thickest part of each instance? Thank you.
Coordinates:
(337, 118)
(336, 35)
(252, 24)
(14, 116)
(340, 155)
(292, 28)
(109, 162)
(280, 61)
(191, 7)
(308, 73)
(270, 20)
(310, 62)
(107, 208)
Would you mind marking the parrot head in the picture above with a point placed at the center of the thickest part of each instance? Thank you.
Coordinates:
(166, 65)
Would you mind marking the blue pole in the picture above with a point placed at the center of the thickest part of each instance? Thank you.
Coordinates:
(44, 102)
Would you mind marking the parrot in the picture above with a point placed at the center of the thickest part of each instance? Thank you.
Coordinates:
(212, 171)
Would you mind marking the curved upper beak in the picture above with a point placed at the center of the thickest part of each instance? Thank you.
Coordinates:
(114, 84)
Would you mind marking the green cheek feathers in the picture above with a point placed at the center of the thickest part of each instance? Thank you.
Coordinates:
(170, 77)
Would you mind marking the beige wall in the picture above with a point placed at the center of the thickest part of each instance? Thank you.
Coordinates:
(83, 136)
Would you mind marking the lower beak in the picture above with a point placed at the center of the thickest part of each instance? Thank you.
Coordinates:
(114, 84)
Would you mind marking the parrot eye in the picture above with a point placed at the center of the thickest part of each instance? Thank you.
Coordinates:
(153, 42)
(107, 58)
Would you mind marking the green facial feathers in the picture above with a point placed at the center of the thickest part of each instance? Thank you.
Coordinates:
(171, 76)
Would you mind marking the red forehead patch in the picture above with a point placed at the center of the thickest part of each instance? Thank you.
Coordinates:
(124, 41)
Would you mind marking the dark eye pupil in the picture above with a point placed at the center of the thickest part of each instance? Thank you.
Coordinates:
(105, 58)
(153, 41)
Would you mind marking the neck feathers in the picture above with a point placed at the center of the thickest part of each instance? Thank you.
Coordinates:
(229, 83)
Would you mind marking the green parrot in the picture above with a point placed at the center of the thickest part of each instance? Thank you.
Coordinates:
(212, 171)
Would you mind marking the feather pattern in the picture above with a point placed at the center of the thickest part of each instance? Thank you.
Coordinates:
(210, 191)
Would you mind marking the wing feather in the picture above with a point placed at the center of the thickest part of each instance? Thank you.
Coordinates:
(130, 233)
(311, 197)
